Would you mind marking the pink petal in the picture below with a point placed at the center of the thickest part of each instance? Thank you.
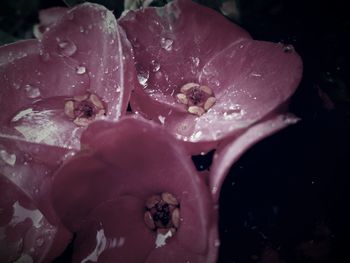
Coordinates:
(115, 231)
(101, 49)
(47, 18)
(39, 77)
(231, 149)
(26, 235)
(30, 168)
(174, 42)
(50, 16)
(249, 78)
(137, 158)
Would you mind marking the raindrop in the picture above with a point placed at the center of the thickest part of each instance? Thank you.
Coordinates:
(195, 61)
(166, 43)
(233, 112)
(254, 74)
(161, 119)
(8, 158)
(196, 136)
(67, 48)
(32, 92)
(143, 77)
(81, 70)
(156, 65)
(288, 48)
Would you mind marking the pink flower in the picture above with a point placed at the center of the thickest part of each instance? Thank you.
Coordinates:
(203, 77)
(134, 196)
(30, 229)
(80, 70)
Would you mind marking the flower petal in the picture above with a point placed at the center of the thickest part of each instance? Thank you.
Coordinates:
(230, 150)
(115, 231)
(30, 168)
(136, 158)
(101, 48)
(249, 79)
(47, 18)
(68, 63)
(26, 234)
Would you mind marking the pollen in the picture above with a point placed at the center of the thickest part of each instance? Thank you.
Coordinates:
(197, 98)
(84, 109)
(162, 213)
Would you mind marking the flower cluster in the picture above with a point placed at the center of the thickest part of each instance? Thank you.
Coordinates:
(75, 162)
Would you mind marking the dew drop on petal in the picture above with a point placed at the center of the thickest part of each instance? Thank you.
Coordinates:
(81, 70)
(32, 92)
(166, 43)
(10, 159)
(161, 119)
(195, 61)
(67, 48)
(155, 65)
(142, 77)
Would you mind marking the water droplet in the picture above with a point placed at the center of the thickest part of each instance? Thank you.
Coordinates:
(39, 241)
(196, 136)
(81, 29)
(161, 119)
(288, 48)
(233, 112)
(143, 77)
(32, 92)
(156, 65)
(8, 158)
(81, 70)
(67, 48)
(195, 61)
(254, 74)
(166, 43)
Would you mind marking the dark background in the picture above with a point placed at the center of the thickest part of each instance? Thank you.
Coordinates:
(286, 199)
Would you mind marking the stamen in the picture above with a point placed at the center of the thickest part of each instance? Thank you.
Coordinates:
(198, 99)
(84, 109)
(196, 110)
(162, 213)
(209, 103)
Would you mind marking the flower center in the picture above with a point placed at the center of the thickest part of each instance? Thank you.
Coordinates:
(197, 98)
(84, 109)
(162, 213)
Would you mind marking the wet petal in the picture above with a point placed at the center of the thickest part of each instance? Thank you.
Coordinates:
(230, 151)
(249, 79)
(102, 52)
(47, 18)
(115, 231)
(31, 169)
(137, 158)
(25, 233)
(68, 63)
